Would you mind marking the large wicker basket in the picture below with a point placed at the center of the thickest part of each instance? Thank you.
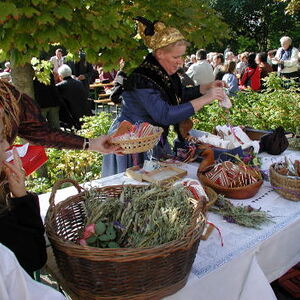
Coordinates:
(285, 186)
(123, 273)
(139, 145)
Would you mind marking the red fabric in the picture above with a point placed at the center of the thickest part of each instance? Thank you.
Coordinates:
(110, 76)
(254, 76)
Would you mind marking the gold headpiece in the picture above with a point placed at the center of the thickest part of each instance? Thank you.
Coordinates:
(156, 35)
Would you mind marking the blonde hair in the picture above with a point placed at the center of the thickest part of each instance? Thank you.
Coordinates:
(171, 46)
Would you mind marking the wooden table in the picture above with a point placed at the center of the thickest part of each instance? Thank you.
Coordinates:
(99, 84)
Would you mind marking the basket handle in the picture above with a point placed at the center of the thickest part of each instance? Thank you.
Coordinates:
(57, 186)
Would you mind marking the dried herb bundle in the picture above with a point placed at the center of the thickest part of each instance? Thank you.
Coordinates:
(243, 215)
(145, 216)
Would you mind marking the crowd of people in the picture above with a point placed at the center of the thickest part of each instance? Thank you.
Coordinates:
(245, 70)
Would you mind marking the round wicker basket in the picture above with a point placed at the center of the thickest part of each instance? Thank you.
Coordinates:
(139, 145)
(285, 186)
(122, 273)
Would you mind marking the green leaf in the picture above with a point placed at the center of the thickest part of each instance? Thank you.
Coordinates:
(111, 232)
(91, 240)
(63, 12)
(29, 11)
(104, 238)
(103, 244)
(100, 228)
(113, 245)
(7, 9)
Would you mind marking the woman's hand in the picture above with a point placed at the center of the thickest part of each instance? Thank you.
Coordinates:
(204, 88)
(103, 145)
(15, 175)
(216, 93)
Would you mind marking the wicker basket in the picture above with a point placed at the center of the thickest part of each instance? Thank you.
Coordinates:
(122, 273)
(285, 186)
(244, 192)
(139, 145)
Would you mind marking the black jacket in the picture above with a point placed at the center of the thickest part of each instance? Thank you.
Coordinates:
(73, 95)
(46, 95)
(22, 231)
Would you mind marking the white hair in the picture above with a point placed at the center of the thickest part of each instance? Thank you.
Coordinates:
(286, 39)
(7, 64)
(64, 71)
(5, 75)
(228, 53)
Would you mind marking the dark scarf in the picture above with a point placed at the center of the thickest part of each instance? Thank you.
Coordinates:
(150, 74)
(286, 54)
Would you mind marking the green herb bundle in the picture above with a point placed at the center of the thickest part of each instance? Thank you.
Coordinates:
(144, 216)
(243, 215)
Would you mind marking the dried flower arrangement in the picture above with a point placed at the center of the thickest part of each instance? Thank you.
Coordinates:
(141, 217)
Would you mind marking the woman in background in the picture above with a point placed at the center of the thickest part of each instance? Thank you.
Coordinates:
(251, 76)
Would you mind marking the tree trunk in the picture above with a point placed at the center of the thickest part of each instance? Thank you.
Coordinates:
(22, 78)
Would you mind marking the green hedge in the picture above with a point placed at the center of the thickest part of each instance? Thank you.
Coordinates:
(274, 106)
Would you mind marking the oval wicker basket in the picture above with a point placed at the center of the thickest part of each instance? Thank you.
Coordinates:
(285, 186)
(243, 192)
(122, 273)
(139, 145)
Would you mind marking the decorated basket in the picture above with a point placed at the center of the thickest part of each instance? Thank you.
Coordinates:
(120, 273)
(236, 181)
(243, 192)
(286, 186)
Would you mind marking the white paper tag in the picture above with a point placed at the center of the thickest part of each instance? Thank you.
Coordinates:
(21, 151)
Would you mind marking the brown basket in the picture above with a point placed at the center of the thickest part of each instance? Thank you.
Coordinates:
(285, 186)
(244, 192)
(142, 144)
(122, 273)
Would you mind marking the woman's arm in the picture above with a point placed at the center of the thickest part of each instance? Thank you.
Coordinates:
(163, 113)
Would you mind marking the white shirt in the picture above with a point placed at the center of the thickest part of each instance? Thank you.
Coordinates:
(16, 284)
(240, 67)
(201, 72)
(57, 62)
(290, 65)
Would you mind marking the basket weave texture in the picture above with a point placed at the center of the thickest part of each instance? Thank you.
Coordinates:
(139, 145)
(122, 273)
(285, 186)
(243, 192)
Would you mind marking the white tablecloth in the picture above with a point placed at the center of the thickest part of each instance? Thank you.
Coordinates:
(249, 259)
